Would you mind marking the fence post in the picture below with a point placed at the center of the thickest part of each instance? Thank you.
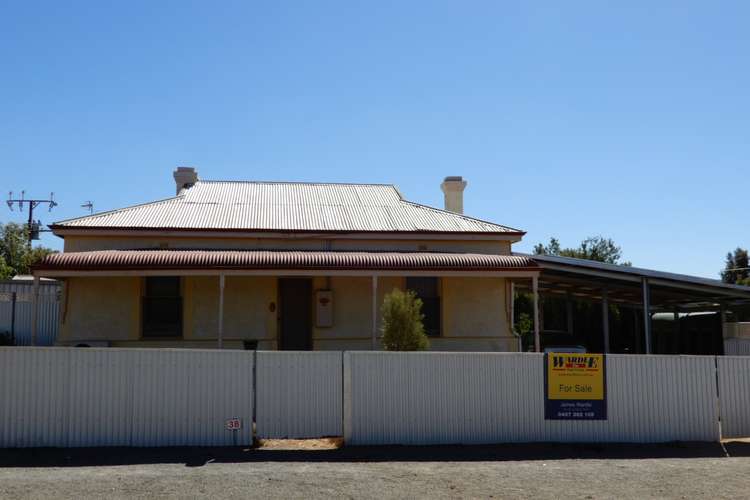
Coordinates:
(347, 397)
(13, 317)
(34, 310)
(718, 396)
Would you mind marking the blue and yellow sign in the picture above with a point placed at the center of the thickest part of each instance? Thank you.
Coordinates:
(575, 387)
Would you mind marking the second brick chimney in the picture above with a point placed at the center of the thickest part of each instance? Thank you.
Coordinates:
(453, 189)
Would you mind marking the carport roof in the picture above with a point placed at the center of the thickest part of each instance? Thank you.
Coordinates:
(631, 273)
(568, 270)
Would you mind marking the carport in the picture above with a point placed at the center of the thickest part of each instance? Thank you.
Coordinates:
(620, 309)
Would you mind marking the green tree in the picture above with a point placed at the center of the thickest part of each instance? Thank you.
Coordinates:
(737, 267)
(403, 329)
(15, 255)
(595, 248)
(6, 272)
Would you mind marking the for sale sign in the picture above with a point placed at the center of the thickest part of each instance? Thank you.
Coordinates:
(575, 386)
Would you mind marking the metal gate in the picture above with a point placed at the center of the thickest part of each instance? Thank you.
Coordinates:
(16, 311)
(734, 395)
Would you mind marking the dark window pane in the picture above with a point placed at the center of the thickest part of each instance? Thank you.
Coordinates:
(423, 287)
(428, 290)
(431, 311)
(162, 308)
(163, 286)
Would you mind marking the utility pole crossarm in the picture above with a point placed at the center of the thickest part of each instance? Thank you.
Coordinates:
(31, 204)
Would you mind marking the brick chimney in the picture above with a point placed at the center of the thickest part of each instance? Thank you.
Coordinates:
(453, 189)
(184, 178)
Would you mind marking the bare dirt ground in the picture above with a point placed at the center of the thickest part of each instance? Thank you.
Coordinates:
(323, 470)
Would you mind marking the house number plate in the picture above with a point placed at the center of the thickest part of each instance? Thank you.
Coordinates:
(233, 424)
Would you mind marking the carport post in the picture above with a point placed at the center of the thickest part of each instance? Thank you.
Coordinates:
(374, 340)
(221, 312)
(636, 333)
(34, 309)
(535, 293)
(646, 314)
(605, 319)
(569, 312)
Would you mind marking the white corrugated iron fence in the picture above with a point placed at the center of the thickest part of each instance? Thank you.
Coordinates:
(734, 395)
(170, 397)
(737, 347)
(445, 398)
(299, 394)
(128, 397)
(16, 311)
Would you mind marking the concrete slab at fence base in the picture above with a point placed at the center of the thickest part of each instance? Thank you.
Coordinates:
(485, 398)
(199, 456)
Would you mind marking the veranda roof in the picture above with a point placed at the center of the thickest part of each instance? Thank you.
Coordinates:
(281, 259)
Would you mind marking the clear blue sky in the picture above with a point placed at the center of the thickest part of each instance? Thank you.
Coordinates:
(568, 119)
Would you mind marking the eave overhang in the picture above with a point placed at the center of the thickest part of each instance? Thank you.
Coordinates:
(281, 262)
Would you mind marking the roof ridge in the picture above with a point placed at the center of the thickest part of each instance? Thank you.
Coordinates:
(308, 183)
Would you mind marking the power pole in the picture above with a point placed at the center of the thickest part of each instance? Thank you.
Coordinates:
(31, 204)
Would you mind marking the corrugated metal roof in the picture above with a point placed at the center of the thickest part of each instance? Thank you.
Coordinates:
(280, 259)
(550, 261)
(282, 206)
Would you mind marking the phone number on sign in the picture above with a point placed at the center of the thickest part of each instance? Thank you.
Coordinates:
(575, 414)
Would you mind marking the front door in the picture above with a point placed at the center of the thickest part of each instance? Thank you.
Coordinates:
(295, 314)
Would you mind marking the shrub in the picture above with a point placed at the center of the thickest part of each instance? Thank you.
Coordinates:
(403, 329)
(524, 328)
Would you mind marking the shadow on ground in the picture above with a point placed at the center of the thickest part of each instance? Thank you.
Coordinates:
(198, 456)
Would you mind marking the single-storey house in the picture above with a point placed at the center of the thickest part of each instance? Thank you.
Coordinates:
(284, 265)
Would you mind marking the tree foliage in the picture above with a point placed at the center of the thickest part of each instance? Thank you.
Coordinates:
(15, 255)
(403, 328)
(736, 267)
(595, 248)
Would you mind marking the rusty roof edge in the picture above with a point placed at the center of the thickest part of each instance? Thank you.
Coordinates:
(288, 259)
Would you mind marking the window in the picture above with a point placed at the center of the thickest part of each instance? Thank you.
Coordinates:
(162, 307)
(428, 289)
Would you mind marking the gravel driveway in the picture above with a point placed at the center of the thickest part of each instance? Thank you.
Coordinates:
(518, 471)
